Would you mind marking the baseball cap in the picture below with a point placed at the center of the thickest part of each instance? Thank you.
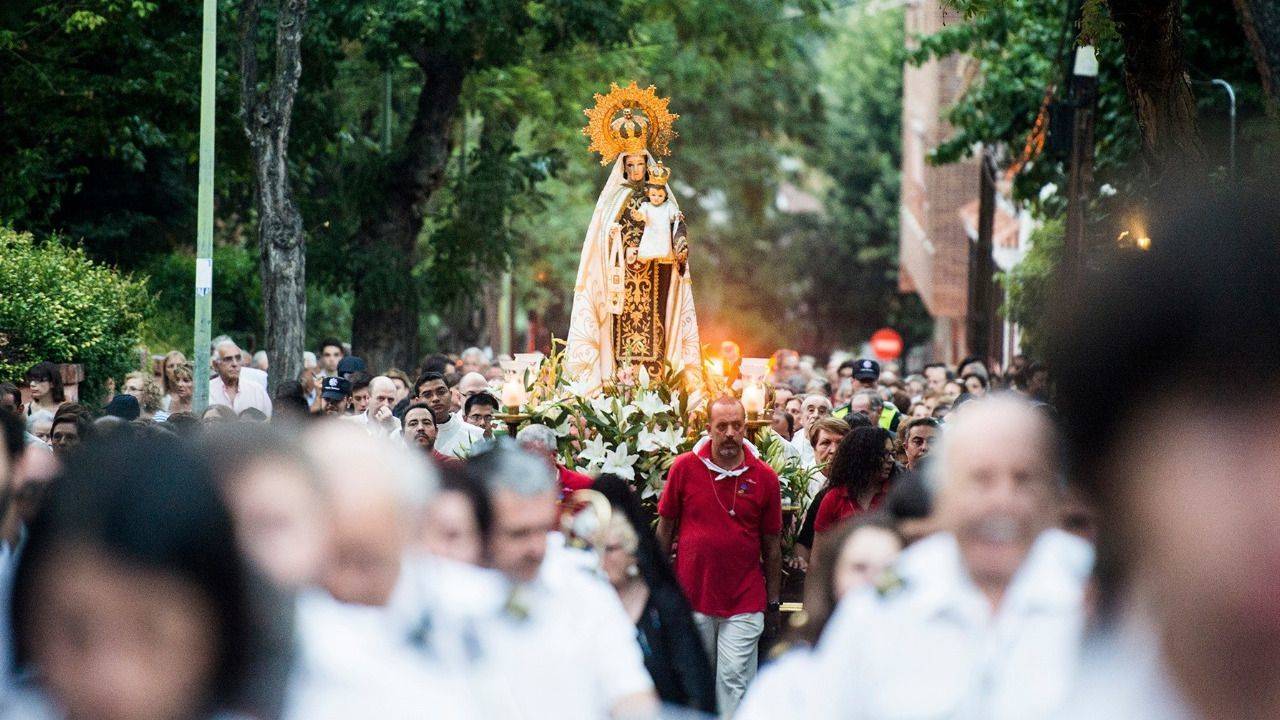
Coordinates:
(336, 388)
(350, 364)
(866, 370)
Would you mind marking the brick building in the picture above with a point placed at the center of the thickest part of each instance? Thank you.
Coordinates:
(934, 247)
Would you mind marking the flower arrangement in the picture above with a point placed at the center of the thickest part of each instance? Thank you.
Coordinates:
(635, 425)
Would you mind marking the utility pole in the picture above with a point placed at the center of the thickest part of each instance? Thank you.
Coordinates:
(1084, 93)
(204, 210)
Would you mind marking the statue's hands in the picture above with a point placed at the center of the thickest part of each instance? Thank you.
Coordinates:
(632, 254)
(615, 232)
(639, 217)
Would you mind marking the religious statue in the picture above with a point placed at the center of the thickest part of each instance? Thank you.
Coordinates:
(633, 299)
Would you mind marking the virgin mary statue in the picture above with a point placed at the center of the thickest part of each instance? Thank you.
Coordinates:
(633, 306)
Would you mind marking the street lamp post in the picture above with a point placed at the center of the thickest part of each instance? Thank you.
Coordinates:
(1084, 91)
(1231, 96)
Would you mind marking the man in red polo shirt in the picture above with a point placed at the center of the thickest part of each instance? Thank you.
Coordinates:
(722, 507)
(541, 440)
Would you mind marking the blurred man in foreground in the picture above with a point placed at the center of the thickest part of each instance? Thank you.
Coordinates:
(989, 615)
(1189, 552)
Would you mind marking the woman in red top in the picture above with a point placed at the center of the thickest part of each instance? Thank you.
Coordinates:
(858, 478)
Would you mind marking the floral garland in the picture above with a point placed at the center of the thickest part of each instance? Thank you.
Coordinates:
(636, 425)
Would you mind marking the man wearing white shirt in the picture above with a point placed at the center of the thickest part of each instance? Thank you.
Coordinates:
(227, 389)
(812, 409)
(564, 647)
(988, 620)
(454, 435)
(377, 418)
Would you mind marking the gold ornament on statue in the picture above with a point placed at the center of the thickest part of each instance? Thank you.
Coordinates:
(629, 120)
(659, 174)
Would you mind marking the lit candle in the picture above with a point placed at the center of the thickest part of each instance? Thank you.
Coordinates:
(512, 394)
(753, 398)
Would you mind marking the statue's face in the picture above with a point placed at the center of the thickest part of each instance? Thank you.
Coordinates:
(633, 167)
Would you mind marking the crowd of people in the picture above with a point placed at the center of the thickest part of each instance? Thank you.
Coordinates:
(975, 544)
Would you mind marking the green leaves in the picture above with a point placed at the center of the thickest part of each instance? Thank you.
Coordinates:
(58, 305)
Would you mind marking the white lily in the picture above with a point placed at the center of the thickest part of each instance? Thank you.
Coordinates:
(594, 451)
(603, 406)
(578, 389)
(651, 404)
(620, 463)
(647, 441)
(563, 429)
(624, 413)
(642, 378)
(670, 438)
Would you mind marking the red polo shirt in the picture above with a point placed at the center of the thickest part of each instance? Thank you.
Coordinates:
(718, 559)
(571, 481)
(837, 505)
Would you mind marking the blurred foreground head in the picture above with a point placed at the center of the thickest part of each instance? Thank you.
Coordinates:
(378, 491)
(995, 471)
(1167, 374)
(130, 598)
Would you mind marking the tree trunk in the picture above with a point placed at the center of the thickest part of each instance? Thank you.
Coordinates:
(1156, 80)
(1260, 20)
(385, 316)
(281, 245)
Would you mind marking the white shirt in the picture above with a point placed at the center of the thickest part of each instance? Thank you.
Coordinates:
(934, 650)
(781, 690)
(248, 395)
(350, 664)
(801, 443)
(253, 375)
(456, 436)
(1121, 676)
(573, 656)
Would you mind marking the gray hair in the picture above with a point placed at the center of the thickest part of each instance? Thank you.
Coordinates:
(308, 359)
(876, 402)
(505, 466)
(537, 435)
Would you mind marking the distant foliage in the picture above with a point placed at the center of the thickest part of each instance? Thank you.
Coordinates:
(60, 306)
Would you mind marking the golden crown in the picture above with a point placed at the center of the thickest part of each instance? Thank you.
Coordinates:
(629, 120)
(659, 174)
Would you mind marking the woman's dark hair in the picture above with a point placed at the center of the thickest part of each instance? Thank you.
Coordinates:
(150, 505)
(184, 424)
(454, 478)
(857, 461)
(47, 372)
(981, 379)
(290, 401)
(819, 588)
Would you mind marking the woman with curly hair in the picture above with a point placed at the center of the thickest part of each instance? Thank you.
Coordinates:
(859, 476)
(143, 386)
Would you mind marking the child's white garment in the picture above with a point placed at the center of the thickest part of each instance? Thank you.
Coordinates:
(655, 244)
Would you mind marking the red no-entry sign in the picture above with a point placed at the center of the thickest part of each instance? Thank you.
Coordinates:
(886, 343)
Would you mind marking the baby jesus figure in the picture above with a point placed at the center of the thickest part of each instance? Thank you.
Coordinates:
(660, 219)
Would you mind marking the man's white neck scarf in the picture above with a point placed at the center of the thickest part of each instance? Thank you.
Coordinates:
(719, 472)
